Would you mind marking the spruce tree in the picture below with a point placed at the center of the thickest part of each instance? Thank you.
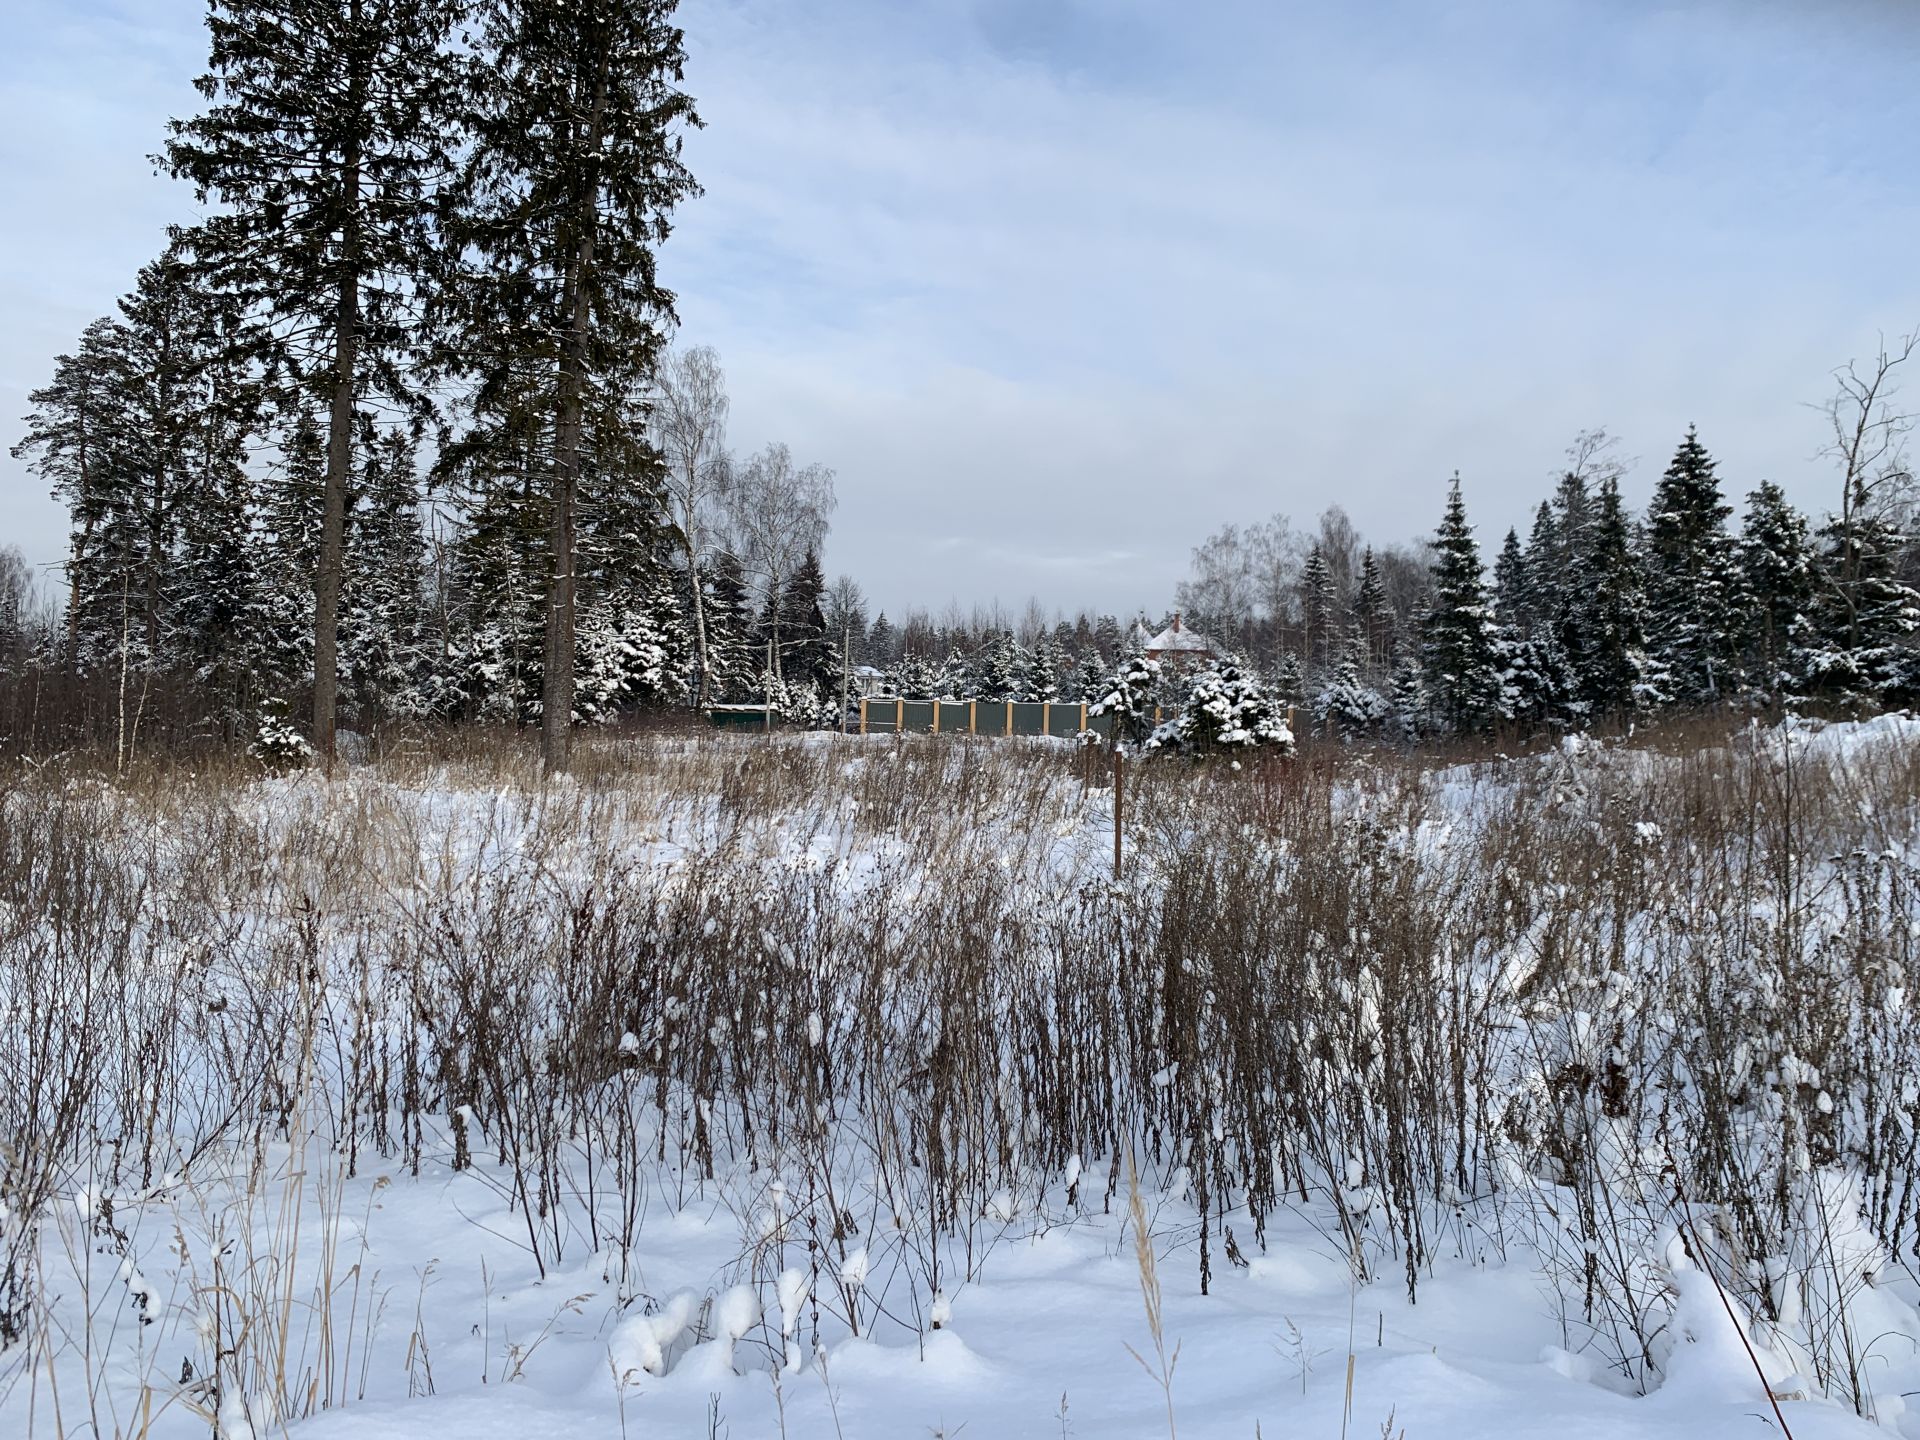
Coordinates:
(1126, 700)
(1346, 706)
(1864, 614)
(1537, 684)
(1290, 676)
(729, 620)
(809, 655)
(1776, 590)
(495, 469)
(381, 631)
(1561, 554)
(192, 409)
(1541, 567)
(1082, 686)
(996, 673)
(1459, 649)
(145, 422)
(626, 564)
(1372, 612)
(1408, 702)
(328, 124)
(288, 501)
(1512, 598)
(1226, 713)
(883, 642)
(80, 439)
(1690, 581)
(573, 175)
(1611, 672)
(1318, 605)
(1044, 676)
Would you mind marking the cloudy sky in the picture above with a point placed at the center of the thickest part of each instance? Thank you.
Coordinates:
(1058, 287)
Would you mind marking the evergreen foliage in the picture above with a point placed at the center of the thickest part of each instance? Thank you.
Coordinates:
(1690, 577)
(1459, 646)
(1226, 712)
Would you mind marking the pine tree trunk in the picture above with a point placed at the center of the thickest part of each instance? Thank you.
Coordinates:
(346, 358)
(556, 695)
(333, 513)
(556, 708)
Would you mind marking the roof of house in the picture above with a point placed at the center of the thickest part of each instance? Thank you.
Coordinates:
(1177, 638)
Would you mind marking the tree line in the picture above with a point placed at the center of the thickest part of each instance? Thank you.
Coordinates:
(1599, 613)
(397, 431)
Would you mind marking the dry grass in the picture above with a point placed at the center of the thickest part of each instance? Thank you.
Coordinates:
(897, 974)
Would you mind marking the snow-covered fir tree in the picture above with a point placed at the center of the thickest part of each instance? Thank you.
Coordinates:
(1607, 614)
(382, 638)
(77, 440)
(913, 677)
(1864, 615)
(883, 642)
(1372, 613)
(1041, 677)
(1539, 594)
(1290, 677)
(289, 517)
(1226, 712)
(1537, 685)
(809, 654)
(997, 671)
(1346, 706)
(1512, 590)
(558, 212)
(1459, 644)
(950, 678)
(1319, 604)
(1085, 676)
(1407, 703)
(1691, 627)
(733, 663)
(1128, 698)
(1776, 591)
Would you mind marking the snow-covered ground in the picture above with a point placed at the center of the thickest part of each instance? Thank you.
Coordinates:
(329, 1277)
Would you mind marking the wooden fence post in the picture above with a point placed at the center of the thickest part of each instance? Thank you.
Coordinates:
(1119, 789)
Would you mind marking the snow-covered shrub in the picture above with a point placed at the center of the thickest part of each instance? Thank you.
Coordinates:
(1346, 705)
(1227, 712)
(278, 744)
(1127, 699)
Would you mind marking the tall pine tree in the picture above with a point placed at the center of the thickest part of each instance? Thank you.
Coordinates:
(573, 175)
(329, 123)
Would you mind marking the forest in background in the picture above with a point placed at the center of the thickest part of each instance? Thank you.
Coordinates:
(401, 432)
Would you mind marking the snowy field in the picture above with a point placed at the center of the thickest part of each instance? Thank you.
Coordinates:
(835, 1088)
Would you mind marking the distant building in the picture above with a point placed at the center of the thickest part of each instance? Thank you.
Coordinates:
(1178, 645)
(867, 681)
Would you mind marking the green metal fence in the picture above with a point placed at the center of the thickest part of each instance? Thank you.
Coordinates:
(893, 715)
